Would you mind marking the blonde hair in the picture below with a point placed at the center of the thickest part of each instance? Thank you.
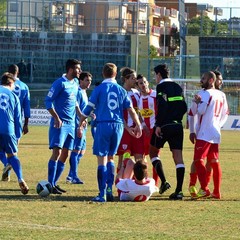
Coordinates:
(109, 70)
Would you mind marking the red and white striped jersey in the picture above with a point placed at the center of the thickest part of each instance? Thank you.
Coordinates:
(133, 94)
(147, 108)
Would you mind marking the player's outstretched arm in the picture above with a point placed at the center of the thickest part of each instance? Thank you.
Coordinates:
(138, 129)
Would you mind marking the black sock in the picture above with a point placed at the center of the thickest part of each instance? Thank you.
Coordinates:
(180, 176)
(157, 164)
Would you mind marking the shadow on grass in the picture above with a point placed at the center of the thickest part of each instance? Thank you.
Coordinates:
(65, 198)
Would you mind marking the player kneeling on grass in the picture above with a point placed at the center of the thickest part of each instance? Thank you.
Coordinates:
(132, 181)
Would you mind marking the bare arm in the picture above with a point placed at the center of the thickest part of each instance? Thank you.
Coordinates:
(57, 120)
(138, 129)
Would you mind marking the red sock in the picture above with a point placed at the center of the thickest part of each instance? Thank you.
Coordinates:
(217, 176)
(155, 177)
(193, 179)
(209, 175)
(201, 172)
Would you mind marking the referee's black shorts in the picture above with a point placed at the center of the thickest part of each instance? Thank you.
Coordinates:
(171, 133)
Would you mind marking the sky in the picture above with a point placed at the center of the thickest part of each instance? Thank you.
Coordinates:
(224, 4)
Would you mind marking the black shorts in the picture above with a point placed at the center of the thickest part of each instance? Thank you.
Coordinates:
(171, 133)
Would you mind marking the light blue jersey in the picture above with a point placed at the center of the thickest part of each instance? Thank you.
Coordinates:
(62, 98)
(109, 100)
(22, 91)
(10, 113)
(82, 100)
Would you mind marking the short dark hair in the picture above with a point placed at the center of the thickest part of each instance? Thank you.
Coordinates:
(140, 170)
(217, 73)
(6, 77)
(163, 70)
(71, 63)
(139, 76)
(84, 74)
(13, 68)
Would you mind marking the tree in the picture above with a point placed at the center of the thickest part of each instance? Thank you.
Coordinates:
(153, 51)
(204, 26)
(3, 7)
(44, 23)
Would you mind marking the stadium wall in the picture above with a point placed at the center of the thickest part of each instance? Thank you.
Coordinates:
(41, 117)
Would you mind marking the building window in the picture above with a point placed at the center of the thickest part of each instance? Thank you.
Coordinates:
(13, 7)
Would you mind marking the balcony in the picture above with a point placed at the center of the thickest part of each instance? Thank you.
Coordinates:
(134, 5)
(132, 28)
(75, 20)
(156, 11)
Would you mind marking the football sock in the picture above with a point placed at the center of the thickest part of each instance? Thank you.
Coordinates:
(110, 174)
(157, 164)
(209, 175)
(155, 176)
(79, 157)
(217, 175)
(3, 158)
(16, 165)
(52, 168)
(201, 172)
(102, 177)
(180, 171)
(73, 165)
(60, 168)
(193, 179)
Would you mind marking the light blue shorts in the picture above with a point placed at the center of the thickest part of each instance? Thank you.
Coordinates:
(80, 143)
(107, 138)
(62, 137)
(8, 143)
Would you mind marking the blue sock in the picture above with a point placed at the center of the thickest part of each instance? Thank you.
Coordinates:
(3, 158)
(52, 168)
(79, 157)
(101, 177)
(60, 168)
(110, 175)
(73, 164)
(16, 165)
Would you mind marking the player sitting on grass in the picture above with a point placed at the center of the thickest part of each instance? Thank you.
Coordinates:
(132, 181)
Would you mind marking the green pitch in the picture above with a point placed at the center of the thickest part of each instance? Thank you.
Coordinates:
(73, 216)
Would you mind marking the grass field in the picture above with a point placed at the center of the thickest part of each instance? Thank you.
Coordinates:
(73, 216)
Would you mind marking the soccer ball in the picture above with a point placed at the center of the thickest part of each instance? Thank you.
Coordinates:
(43, 188)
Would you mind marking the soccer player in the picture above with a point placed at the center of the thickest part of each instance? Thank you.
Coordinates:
(129, 141)
(132, 181)
(108, 101)
(11, 126)
(22, 91)
(61, 102)
(192, 118)
(171, 107)
(212, 111)
(147, 108)
(85, 80)
(93, 118)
